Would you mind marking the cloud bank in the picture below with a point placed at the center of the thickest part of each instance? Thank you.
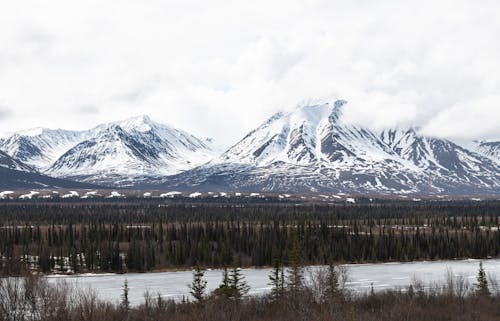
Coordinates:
(219, 68)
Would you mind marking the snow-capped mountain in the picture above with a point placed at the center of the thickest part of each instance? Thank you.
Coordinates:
(312, 134)
(443, 159)
(40, 147)
(312, 149)
(8, 162)
(126, 152)
(307, 150)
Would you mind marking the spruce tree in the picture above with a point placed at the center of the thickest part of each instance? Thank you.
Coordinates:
(199, 285)
(295, 273)
(482, 282)
(225, 288)
(238, 283)
(277, 280)
(125, 299)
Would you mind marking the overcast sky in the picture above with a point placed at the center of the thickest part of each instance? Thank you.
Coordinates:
(219, 68)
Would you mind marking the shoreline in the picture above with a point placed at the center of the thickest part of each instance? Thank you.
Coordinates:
(173, 270)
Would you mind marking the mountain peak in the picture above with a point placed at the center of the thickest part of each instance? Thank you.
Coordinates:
(337, 110)
(141, 118)
(142, 123)
(31, 132)
(317, 112)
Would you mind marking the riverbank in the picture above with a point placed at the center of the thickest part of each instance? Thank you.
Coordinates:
(362, 278)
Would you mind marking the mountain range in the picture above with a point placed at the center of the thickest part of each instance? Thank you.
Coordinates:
(308, 150)
(120, 154)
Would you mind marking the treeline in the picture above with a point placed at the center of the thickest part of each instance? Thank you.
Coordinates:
(141, 237)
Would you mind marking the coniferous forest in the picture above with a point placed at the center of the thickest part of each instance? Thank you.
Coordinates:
(126, 236)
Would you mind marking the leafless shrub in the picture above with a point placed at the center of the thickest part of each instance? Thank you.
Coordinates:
(13, 305)
(34, 299)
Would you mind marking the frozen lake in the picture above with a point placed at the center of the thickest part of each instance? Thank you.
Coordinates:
(361, 277)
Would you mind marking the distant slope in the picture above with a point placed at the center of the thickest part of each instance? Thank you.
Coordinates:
(8, 162)
(15, 174)
(15, 179)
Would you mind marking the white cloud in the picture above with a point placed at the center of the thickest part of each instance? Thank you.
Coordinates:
(5, 113)
(219, 68)
(455, 122)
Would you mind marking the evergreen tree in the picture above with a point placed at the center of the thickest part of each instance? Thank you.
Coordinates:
(238, 283)
(482, 281)
(295, 273)
(199, 285)
(225, 288)
(233, 284)
(125, 299)
(277, 280)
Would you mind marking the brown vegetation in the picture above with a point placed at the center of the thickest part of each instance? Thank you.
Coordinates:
(33, 299)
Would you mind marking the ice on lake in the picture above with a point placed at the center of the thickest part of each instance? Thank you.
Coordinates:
(362, 277)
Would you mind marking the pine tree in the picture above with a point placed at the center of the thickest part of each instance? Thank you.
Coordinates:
(199, 285)
(277, 280)
(482, 280)
(237, 282)
(125, 299)
(295, 273)
(225, 288)
(233, 284)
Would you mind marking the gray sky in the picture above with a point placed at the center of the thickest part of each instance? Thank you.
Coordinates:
(219, 68)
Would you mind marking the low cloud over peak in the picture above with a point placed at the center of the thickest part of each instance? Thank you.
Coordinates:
(219, 68)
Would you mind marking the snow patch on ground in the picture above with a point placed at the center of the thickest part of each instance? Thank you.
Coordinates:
(115, 194)
(5, 194)
(170, 194)
(90, 194)
(29, 195)
(71, 194)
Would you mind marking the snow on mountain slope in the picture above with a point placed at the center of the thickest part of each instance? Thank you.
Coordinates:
(309, 149)
(442, 158)
(312, 149)
(7, 161)
(311, 134)
(129, 149)
(490, 149)
(15, 174)
(40, 147)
